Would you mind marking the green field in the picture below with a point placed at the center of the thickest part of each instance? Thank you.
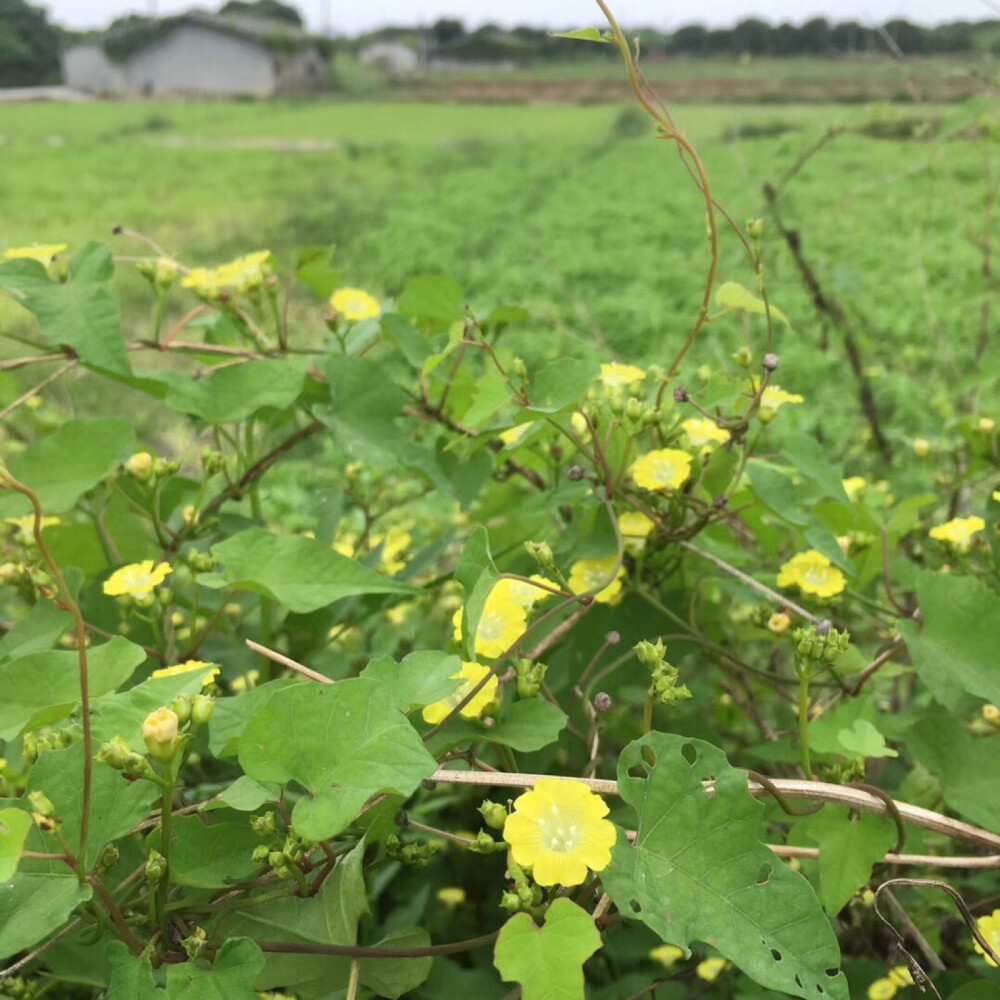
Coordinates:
(578, 213)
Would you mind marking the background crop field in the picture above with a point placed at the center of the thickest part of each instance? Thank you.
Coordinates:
(578, 213)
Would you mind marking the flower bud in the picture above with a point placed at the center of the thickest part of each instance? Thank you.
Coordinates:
(778, 622)
(483, 843)
(114, 753)
(40, 803)
(755, 229)
(140, 466)
(9, 572)
(164, 272)
(156, 867)
(681, 395)
(260, 854)
(137, 765)
(109, 858)
(743, 356)
(541, 552)
(921, 447)
(991, 715)
(494, 815)
(159, 732)
(986, 425)
(771, 362)
(202, 706)
(181, 707)
(264, 826)
(511, 902)
(195, 944)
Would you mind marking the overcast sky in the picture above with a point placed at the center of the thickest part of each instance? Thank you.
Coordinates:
(350, 16)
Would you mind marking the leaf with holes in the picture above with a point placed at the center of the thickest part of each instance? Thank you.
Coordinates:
(698, 871)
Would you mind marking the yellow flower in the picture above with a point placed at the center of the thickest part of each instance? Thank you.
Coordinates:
(882, 989)
(773, 398)
(957, 533)
(25, 526)
(578, 422)
(471, 674)
(812, 573)
(989, 927)
(399, 613)
(451, 896)
(345, 546)
(853, 486)
(159, 732)
(245, 274)
(522, 592)
(136, 579)
(502, 623)
(665, 469)
(140, 465)
(710, 969)
(394, 544)
(667, 955)
(779, 622)
(996, 495)
(921, 447)
(354, 304)
(866, 897)
(635, 528)
(189, 667)
(616, 376)
(704, 433)
(589, 574)
(901, 976)
(991, 715)
(559, 831)
(512, 435)
(987, 425)
(43, 253)
(245, 682)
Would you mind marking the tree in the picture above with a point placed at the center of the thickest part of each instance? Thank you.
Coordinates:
(447, 30)
(270, 10)
(29, 45)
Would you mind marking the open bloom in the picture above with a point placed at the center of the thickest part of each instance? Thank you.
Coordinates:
(189, 667)
(813, 573)
(470, 675)
(43, 253)
(502, 623)
(395, 543)
(635, 528)
(957, 533)
(25, 526)
(354, 304)
(703, 433)
(523, 592)
(883, 989)
(245, 274)
(136, 579)
(773, 398)
(589, 574)
(616, 376)
(989, 927)
(664, 469)
(558, 830)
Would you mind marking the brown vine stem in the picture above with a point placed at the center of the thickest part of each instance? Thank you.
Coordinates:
(287, 661)
(792, 788)
(7, 481)
(361, 951)
(751, 582)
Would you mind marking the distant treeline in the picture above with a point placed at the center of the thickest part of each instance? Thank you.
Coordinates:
(449, 38)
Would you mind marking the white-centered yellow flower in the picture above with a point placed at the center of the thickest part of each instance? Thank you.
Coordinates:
(501, 624)
(663, 469)
(355, 304)
(813, 573)
(618, 376)
(635, 528)
(957, 533)
(853, 485)
(704, 433)
(588, 575)
(136, 579)
(471, 675)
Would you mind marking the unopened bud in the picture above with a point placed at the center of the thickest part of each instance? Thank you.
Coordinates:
(260, 854)
(40, 803)
(181, 707)
(576, 473)
(140, 466)
(202, 706)
(156, 867)
(159, 732)
(109, 858)
(264, 826)
(114, 752)
(494, 815)
(541, 552)
(755, 228)
(771, 362)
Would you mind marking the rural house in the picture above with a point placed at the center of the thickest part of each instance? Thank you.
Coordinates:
(197, 55)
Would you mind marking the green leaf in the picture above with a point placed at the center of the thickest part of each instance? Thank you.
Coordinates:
(422, 678)
(561, 384)
(37, 632)
(848, 848)
(35, 905)
(777, 492)
(81, 314)
(477, 574)
(393, 978)
(733, 297)
(116, 804)
(864, 740)
(526, 725)
(43, 688)
(70, 461)
(585, 35)
(342, 743)
(302, 574)
(954, 649)
(965, 766)
(412, 344)
(698, 871)
(491, 394)
(14, 827)
(314, 268)
(231, 976)
(329, 917)
(432, 297)
(809, 457)
(235, 392)
(246, 795)
(131, 977)
(548, 961)
(230, 716)
(210, 855)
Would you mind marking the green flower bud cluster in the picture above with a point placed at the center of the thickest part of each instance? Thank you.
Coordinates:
(817, 647)
(843, 774)
(212, 462)
(637, 416)
(529, 678)
(194, 708)
(18, 989)
(416, 856)
(663, 684)
(483, 843)
(37, 741)
(109, 858)
(201, 562)
(265, 826)
(156, 868)
(196, 944)
(41, 804)
(494, 815)
(743, 356)
(521, 896)
(160, 271)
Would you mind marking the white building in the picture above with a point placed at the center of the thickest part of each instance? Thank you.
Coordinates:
(197, 55)
(392, 59)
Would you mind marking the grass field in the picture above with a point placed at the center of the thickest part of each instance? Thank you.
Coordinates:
(575, 212)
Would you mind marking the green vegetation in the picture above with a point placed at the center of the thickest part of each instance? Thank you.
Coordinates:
(392, 463)
(29, 45)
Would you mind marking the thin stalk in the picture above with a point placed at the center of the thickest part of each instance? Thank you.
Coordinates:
(804, 724)
(166, 822)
